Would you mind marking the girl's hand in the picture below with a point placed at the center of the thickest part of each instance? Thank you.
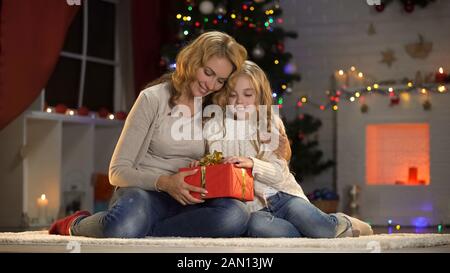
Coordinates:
(194, 163)
(175, 186)
(239, 161)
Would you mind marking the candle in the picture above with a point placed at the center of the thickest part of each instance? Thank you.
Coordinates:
(42, 203)
(412, 176)
(440, 75)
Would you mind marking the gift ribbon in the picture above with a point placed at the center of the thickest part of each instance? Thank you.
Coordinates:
(203, 180)
(243, 183)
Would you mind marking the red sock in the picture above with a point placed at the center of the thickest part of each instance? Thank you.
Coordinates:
(62, 226)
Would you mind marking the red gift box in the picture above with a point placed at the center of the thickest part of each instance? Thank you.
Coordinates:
(222, 180)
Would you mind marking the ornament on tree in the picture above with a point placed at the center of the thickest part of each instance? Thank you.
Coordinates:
(280, 47)
(290, 68)
(206, 7)
(221, 10)
(258, 52)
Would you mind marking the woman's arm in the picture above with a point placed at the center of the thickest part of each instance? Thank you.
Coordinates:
(122, 171)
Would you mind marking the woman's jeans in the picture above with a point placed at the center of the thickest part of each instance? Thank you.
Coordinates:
(135, 213)
(290, 216)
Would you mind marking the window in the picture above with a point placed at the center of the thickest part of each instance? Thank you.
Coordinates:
(88, 65)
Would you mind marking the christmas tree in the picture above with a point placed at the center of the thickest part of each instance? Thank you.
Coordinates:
(306, 157)
(256, 24)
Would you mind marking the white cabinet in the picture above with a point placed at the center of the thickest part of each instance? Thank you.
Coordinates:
(55, 155)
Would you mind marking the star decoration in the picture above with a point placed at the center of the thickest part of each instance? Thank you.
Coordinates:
(388, 57)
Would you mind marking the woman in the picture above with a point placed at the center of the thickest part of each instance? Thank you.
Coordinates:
(152, 198)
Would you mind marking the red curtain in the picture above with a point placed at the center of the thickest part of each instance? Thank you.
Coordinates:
(150, 31)
(31, 37)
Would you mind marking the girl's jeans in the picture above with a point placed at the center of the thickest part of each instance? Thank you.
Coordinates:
(290, 216)
(135, 213)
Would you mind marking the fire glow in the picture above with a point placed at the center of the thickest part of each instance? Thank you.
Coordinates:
(398, 154)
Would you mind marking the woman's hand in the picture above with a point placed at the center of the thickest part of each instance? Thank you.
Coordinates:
(239, 161)
(194, 163)
(175, 186)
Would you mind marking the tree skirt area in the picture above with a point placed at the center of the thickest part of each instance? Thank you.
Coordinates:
(40, 241)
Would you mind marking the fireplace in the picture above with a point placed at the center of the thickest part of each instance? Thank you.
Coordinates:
(398, 154)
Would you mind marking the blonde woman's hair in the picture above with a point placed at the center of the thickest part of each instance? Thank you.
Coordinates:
(195, 55)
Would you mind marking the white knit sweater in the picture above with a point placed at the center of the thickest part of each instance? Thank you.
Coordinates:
(271, 173)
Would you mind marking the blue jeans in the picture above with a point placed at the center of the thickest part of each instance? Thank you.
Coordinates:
(135, 213)
(290, 216)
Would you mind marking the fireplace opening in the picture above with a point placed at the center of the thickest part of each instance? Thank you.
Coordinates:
(398, 154)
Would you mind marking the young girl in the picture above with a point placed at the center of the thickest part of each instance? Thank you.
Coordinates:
(280, 208)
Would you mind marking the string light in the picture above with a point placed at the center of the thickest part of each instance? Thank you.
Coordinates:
(442, 88)
(303, 99)
(276, 62)
(335, 107)
(111, 116)
(48, 110)
(397, 227)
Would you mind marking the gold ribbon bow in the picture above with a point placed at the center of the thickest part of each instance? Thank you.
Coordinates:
(211, 159)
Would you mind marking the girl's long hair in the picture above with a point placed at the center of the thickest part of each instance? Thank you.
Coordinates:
(263, 94)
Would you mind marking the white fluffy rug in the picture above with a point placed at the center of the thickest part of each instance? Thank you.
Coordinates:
(40, 241)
